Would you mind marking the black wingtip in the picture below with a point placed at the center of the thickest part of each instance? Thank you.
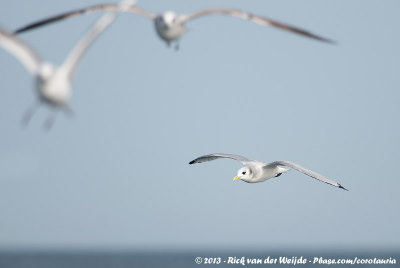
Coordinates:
(325, 40)
(332, 42)
(341, 187)
(21, 30)
(191, 162)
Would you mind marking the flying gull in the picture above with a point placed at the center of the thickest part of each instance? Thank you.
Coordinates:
(171, 26)
(255, 171)
(53, 84)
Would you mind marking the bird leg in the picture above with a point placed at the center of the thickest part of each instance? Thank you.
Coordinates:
(177, 46)
(29, 113)
(50, 120)
(68, 111)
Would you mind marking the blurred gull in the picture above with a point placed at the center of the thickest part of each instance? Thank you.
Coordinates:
(255, 171)
(171, 26)
(53, 84)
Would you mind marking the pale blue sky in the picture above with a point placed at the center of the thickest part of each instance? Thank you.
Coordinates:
(116, 175)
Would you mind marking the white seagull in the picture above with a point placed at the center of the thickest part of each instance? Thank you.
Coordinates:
(255, 171)
(171, 26)
(53, 84)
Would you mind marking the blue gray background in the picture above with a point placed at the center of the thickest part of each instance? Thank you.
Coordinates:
(116, 175)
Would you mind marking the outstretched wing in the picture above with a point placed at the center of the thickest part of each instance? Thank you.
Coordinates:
(91, 9)
(211, 157)
(257, 19)
(79, 50)
(308, 172)
(21, 51)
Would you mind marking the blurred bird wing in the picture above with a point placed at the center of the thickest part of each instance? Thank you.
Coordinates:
(79, 50)
(21, 51)
(257, 19)
(91, 9)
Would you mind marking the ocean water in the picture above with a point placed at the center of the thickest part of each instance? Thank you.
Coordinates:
(126, 259)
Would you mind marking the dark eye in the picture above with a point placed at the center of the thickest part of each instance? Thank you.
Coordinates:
(244, 172)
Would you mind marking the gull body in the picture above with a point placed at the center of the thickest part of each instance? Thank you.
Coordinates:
(255, 171)
(170, 26)
(53, 84)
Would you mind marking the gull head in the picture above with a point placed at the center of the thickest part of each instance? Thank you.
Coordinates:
(244, 174)
(169, 18)
(46, 70)
(168, 26)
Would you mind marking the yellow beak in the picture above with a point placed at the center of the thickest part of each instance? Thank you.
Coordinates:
(236, 178)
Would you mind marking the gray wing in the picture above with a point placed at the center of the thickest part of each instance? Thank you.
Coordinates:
(21, 51)
(308, 172)
(79, 50)
(91, 9)
(211, 157)
(257, 19)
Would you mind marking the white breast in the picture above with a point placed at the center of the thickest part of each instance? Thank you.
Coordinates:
(262, 173)
(169, 29)
(55, 88)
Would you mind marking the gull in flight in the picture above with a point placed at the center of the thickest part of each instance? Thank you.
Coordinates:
(53, 84)
(255, 171)
(171, 26)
